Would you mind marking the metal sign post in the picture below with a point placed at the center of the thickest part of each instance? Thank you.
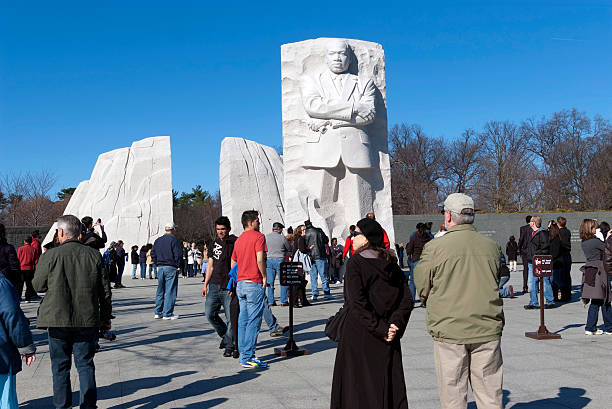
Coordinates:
(291, 274)
(542, 267)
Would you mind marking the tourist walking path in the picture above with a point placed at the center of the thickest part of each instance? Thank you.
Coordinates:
(177, 364)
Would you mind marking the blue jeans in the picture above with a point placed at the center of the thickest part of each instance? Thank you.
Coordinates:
(167, 285)
(533, 283)
(411, 280)
(593, 314)
(269, 318)
(134, 269)
(215, 298)
(152, 270)
(143, 270)
(120, 268)
(251, 297)
(80, 343)
(272, 269)
(504, 292)
(318, 267)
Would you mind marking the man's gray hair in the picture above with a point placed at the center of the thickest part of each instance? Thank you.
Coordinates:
(537, 220)
(460, 218)
(71, 225)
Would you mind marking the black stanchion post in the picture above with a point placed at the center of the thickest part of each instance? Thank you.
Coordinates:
(290, 276)
(542, 268)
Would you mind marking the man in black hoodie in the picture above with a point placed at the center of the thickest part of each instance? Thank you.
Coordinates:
(539, 244)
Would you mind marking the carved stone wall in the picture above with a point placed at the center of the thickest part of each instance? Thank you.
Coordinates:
(251, 177)
(130, 189)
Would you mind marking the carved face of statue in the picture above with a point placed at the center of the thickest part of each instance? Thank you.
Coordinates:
(338, 57)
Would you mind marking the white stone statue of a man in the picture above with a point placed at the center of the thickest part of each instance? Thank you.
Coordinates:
(337, 151)
(340, 105)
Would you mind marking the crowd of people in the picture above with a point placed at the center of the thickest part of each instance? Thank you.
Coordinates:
(465, 318)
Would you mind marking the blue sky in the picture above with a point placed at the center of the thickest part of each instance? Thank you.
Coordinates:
(81, 78)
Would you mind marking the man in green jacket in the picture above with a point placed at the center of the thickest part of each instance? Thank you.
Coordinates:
(77, 303)
(458, 278)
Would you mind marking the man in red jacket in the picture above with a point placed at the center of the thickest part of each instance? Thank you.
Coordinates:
(28, 258)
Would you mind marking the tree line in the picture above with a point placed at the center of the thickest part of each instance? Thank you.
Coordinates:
(556, 162)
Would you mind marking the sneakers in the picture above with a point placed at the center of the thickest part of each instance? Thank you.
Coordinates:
(549, 306)
(598, 332)
(157, 316)
(254, 363)
(279, 331)
(531, 307)
(228, 352)
(172, 317)
(236, 354)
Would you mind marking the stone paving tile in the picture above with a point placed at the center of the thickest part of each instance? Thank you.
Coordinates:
(177, 364)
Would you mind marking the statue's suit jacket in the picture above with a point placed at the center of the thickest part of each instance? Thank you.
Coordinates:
(346, 137)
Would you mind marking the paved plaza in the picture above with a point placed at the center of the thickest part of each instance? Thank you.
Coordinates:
(177, 364)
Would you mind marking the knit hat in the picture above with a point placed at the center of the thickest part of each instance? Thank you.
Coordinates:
(372, 230)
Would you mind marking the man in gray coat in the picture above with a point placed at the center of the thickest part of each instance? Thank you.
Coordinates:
(76, 305)
(278, 248)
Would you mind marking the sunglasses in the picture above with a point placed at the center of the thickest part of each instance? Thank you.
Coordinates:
(356, 233)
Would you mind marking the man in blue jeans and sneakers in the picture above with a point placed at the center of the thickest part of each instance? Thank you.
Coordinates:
(73, 318)
(316, 240)
(278, 248)
(250, 255)
(167, 254)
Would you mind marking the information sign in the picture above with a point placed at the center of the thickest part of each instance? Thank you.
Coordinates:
(542, 266)
(291, 273)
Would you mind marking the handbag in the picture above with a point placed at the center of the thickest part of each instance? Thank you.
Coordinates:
(335, 324)
(304, 259)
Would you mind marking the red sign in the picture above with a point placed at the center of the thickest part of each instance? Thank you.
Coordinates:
(542, 265)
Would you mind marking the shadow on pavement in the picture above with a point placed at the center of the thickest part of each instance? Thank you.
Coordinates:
(123, 389)
(159, 338)
(566, 398)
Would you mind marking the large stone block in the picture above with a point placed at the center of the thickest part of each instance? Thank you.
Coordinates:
(130, 189)
(251, 177)
(335, 150)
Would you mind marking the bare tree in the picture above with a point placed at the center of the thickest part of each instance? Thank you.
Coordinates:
(417, 165)
(462, 162)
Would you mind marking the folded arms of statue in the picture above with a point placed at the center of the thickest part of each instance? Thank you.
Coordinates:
(328, 113)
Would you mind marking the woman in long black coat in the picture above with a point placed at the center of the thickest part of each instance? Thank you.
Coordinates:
(368, 371)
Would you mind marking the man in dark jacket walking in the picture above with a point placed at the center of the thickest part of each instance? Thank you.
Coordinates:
(316, 240)
(523, 242)
(73, 318)
(539, 244)
(167, 255)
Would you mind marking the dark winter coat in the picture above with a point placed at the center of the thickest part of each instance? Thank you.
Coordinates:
(607, 261)
(77, 292)
(94, 241)
(524, 238)
(415, 247)
(511, 250)
(556, 251)
(9, 263)
(368, 371)
(134, 257)
(316, 240)
(539, 244)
